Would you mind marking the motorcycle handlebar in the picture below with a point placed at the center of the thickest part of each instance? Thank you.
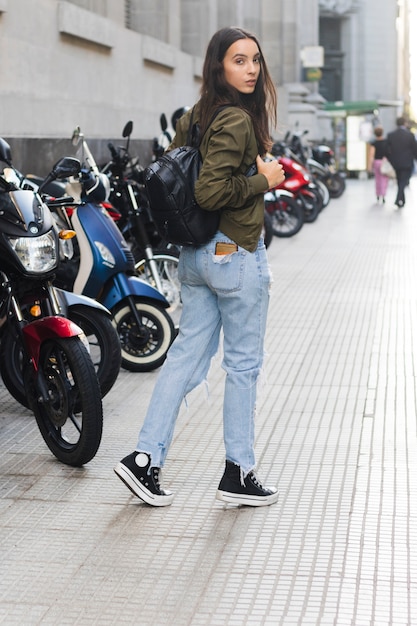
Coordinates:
(120, 157)
(58, 202)
(113, 151)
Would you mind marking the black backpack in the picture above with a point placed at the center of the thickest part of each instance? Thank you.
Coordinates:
(170, 182)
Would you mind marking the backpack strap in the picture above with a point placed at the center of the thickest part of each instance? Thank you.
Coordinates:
(193, 134)
(192, 130)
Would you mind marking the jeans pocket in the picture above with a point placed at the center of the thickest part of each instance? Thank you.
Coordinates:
(225, 273)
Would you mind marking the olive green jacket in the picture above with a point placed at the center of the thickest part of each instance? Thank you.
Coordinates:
(228, 149)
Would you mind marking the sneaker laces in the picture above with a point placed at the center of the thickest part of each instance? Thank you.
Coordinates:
(155, 476)
(251, 476)
(255, 479)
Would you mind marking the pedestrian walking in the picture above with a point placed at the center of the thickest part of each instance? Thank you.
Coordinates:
(224, 283)
(378, 150)
(401, 152)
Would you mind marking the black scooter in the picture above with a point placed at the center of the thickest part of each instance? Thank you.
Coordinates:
(59, 378)
(156, 261)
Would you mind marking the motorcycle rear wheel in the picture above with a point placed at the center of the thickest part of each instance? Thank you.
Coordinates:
(336, 185)
(143, 349)
(267, 229)
(287, 216)
(310, 205)
(71, 422)
(325, 194)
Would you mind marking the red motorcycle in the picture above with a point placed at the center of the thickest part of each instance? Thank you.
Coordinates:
(61, 385)
(299, 183)
(285, 213)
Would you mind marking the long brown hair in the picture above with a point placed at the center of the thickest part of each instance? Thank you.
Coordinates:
(261, 105)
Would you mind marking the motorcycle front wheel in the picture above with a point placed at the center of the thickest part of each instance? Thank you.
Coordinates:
(71, 420)
(104, 345)
(144, 347)
(103, 341)
(167, 268)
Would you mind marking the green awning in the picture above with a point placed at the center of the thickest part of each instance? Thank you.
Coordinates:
(359, 107)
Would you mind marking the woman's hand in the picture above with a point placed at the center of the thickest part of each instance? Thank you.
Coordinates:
(272, 170)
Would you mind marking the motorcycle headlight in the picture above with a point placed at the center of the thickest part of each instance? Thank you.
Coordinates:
(106, 255)
(38, 255)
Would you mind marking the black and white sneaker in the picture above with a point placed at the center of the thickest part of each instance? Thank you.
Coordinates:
(135, 471)
(235, 489)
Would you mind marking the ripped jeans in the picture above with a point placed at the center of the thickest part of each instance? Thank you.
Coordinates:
(232, 292)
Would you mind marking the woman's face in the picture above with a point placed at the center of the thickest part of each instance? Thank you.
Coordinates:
(242, 64)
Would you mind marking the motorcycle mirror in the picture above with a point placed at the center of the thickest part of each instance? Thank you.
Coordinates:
(5, 152)
(65, 167)
(76, 136)
(127, 131)
(163, 122)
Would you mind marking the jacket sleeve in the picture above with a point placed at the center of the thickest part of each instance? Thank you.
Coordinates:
(388, 147)
(414, 147)
(222, 182)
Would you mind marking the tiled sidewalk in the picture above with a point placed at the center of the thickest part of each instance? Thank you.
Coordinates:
(336, 431)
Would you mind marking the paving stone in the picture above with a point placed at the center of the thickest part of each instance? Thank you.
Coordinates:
(336, 431)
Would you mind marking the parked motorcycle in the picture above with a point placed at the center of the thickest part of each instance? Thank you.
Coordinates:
(320, 162)
(103, 344)
(103, 268)
(59, 377)
(285, 213)
(298, 182)
(126, 175)
(128, 196)
(91, 316)
(335, 181)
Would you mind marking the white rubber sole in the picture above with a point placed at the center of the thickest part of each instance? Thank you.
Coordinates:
(139, 490)
(246, 500)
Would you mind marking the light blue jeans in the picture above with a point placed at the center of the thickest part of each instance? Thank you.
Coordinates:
(232, 292)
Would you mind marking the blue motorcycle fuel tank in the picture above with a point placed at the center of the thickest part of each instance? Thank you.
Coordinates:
(104, 252)
(123, 285)
(107, 266)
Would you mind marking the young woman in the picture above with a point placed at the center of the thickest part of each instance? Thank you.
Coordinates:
(378, 150)
(224, 283)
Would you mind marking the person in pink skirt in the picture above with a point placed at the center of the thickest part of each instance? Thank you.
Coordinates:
(378, 150)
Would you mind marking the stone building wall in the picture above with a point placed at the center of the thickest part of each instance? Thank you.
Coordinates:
(99, 63)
